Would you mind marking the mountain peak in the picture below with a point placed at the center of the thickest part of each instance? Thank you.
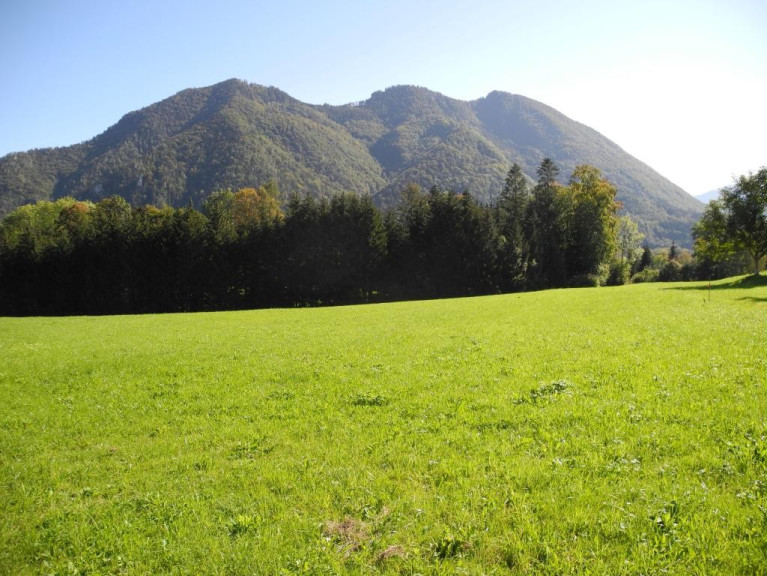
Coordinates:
(499, 95)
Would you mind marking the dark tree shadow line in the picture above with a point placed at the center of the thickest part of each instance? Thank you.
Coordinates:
(744, 283)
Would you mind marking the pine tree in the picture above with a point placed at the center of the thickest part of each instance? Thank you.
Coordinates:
(672, 252)
(547, 173)
(515, 245)
(545, 232)
(646, 260)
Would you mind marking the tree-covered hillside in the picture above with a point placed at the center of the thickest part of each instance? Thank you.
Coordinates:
(236, 134)
(229, 135)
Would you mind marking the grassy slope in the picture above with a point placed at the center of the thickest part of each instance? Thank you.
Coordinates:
(618, 431)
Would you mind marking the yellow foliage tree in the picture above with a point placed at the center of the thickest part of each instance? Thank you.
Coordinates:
(254, 208)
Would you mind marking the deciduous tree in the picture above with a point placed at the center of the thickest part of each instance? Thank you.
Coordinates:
(629, 239)
(594, 223)
(736, 222)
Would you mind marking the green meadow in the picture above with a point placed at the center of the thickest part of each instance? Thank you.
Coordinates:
(591, 431)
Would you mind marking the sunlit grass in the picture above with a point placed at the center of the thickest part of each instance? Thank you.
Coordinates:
(592, 431)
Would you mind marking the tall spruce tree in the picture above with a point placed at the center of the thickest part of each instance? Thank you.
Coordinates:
(514, 242)
(645, 261)
(547, 173)
(545, 229)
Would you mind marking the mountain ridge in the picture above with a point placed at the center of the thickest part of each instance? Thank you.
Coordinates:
(707, 197)
(237, 134)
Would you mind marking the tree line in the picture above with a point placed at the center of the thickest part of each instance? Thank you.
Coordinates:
(246, 249)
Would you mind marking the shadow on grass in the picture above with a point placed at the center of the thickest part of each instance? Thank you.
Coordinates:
(752, 299)
(740, 283)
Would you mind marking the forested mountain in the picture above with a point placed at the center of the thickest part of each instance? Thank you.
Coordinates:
(236, 134)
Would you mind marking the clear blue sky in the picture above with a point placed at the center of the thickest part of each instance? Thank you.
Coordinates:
(682, 85)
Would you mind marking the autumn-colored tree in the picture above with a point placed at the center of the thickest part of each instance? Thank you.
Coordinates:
(255, 208)
(75, 220)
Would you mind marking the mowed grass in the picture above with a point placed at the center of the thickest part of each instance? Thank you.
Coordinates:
(591, 431)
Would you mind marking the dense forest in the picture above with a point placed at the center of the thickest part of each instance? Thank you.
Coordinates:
(243, 249)
(234, 135)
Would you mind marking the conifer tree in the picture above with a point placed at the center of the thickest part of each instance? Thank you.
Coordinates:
(514, 243)
(545, 233)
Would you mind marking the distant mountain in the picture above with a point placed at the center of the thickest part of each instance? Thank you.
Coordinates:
(707, 197)
(236, 134)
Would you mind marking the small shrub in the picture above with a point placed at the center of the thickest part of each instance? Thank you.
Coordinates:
(646, 275)
(620, 272)
(689, 271)
(671, 272)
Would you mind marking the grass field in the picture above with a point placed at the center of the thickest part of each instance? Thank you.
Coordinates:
(591, 431)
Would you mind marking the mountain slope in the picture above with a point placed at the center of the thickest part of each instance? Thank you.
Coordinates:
(533, 131)
(228, 135)
(424, 137)
(236, 134)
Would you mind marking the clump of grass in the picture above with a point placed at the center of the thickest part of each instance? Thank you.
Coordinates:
(350, 533)
(498, 425)
(393, 551)
(251, 449)
(369, 399)
(544, 391)
(281, 395)
(665, 524)
(449, 546)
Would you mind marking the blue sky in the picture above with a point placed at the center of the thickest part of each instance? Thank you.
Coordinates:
(682, 85)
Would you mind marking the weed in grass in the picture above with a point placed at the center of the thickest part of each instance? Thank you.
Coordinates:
(241, 524)
(665, 520)
(547, 390)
